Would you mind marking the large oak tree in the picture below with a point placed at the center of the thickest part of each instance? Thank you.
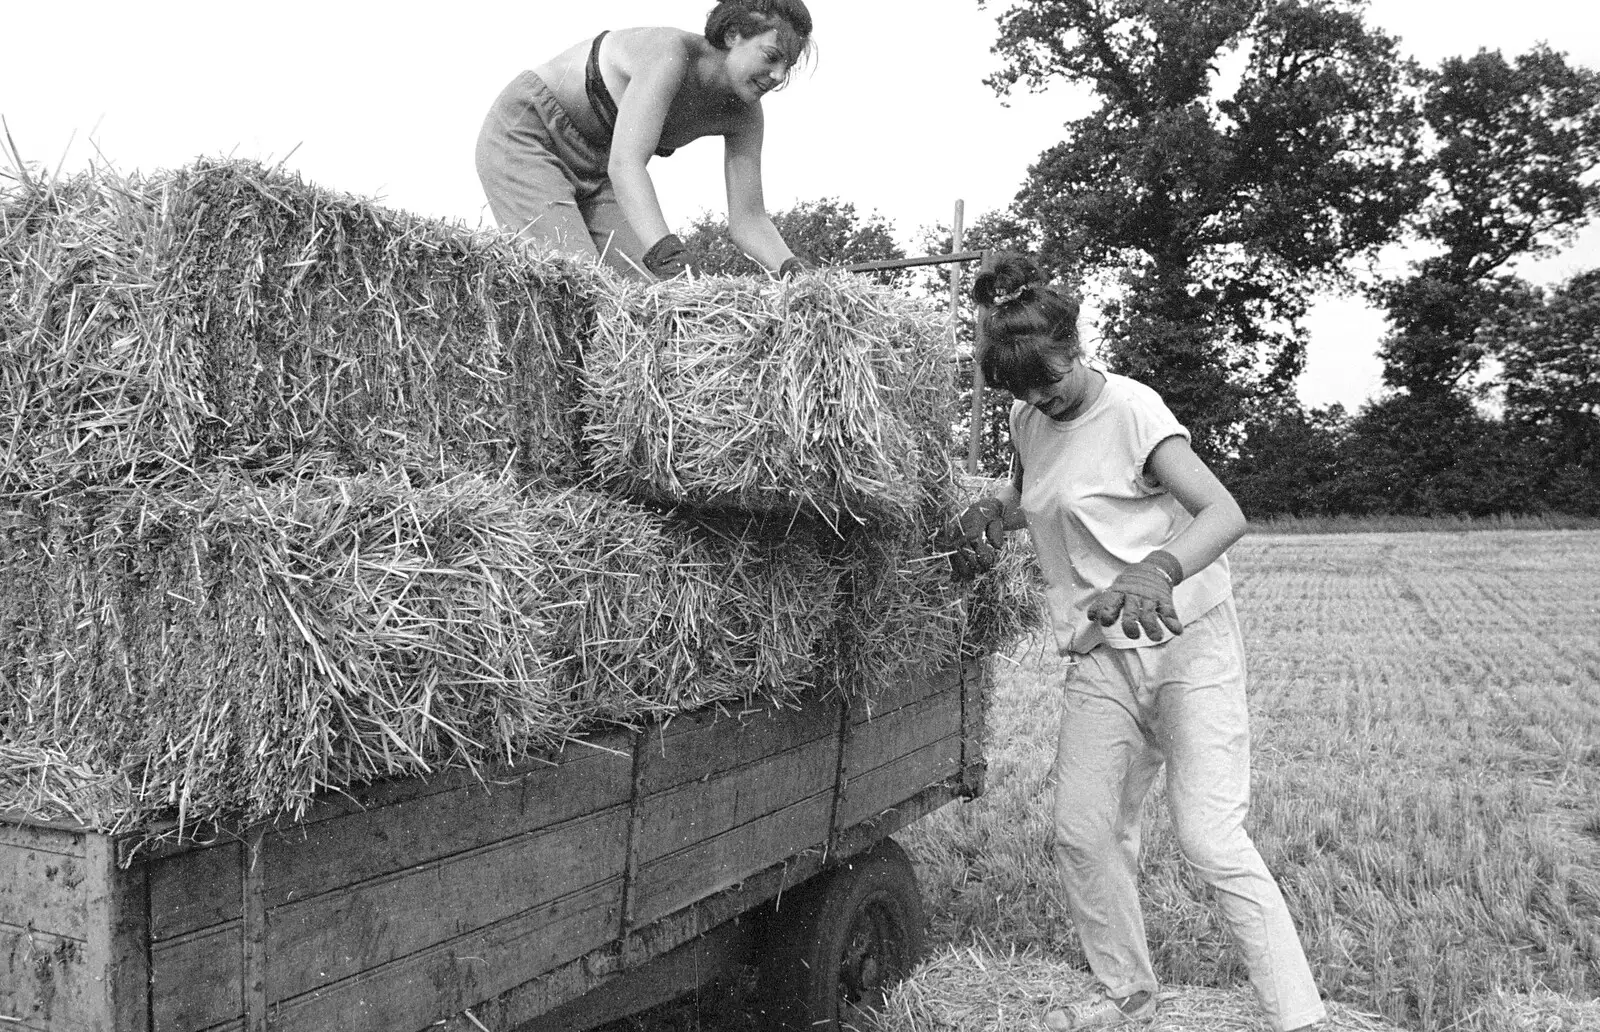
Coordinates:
(1223, 214)
(1509, 172)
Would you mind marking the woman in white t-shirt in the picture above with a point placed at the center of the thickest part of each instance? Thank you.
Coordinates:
(1131, 527)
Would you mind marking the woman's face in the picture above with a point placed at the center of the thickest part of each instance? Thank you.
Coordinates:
(757, 64)
(1066, 397)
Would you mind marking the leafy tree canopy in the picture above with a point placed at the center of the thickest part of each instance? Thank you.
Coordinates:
(1517, 140)
(822, 232)
(1550, 352)
(1509, 175)
(1224, 214)
(1433, 455)
(1291, 461)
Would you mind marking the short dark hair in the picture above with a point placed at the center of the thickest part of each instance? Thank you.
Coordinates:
(753, 17)
(1030, 328)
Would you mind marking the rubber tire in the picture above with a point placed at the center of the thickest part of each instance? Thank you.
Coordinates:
(839, 941)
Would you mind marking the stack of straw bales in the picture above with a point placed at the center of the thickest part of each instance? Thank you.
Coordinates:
(297, 492)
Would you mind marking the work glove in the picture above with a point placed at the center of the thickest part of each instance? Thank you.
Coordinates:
(974, 538)
(792, 265)
(667, 257)
(1142, 595)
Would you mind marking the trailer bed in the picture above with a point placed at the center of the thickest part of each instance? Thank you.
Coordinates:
(411, 901)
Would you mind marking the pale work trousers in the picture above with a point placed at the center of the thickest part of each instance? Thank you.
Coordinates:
(1125, 712)
(546, 181)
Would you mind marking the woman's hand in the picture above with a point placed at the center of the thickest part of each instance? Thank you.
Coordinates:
(1142, 596)
(973, 538)
(667, 257)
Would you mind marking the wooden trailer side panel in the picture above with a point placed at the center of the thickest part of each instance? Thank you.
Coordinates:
(901, 739)
(449, 977)
(918, 745)
(406, 903)
(426, 903)
(734, 798)
(416, 899)
(722, 797)
(73, 934)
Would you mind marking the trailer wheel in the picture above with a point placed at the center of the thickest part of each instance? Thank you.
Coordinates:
(835, 946)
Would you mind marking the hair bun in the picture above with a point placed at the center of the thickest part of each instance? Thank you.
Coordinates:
(1008, 277)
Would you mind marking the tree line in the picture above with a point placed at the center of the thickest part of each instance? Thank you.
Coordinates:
(1207, 210)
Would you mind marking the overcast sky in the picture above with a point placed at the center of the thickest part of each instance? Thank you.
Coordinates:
(384, 100)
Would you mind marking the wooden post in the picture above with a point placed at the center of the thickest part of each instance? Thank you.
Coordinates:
(253, 936)
(979, 387)
(974, 437)
(630, 869)
(117, 946)
(955, 274)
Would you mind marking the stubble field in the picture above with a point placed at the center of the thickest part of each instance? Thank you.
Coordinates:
(1426, 726)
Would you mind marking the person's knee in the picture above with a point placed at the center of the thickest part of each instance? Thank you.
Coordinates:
(1081, 840)
(1216, 852)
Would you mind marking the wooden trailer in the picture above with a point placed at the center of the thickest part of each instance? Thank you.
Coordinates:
(632, 863)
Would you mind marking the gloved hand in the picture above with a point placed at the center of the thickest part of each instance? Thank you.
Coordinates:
(974, 537)
(792, 265)
(1142, 594)
(667, 257)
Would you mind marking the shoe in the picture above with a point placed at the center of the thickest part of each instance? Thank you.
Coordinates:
(1102, 1012)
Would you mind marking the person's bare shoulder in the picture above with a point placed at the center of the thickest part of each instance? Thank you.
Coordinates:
(633, 50)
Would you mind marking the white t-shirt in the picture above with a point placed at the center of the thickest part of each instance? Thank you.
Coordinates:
(1092, 513)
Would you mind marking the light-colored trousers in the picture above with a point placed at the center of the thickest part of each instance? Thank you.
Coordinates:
(546, 181)
(1126, 711)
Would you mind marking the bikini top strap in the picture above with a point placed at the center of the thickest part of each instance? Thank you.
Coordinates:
(594, 84)
(600, 99)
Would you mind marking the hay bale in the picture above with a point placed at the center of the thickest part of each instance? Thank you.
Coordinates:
(227, 314)
(40, 781)
(822, 397)
(1007, 604)
(657, 615)
(90, 393)
(903, 616)
(339, 325)
(907, 616)
(983, 989)
(236, 649)
(232, 315)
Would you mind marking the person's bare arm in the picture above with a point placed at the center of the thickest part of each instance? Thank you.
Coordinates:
(1218, 520)
(749, 225)
(1141, 595)
(1009, 495)
(659, 65)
